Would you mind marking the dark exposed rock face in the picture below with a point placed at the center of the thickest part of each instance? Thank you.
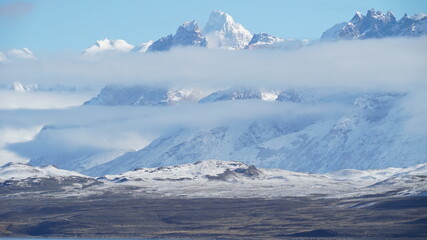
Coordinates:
(229, 175)
(188, 34)
(377, 24)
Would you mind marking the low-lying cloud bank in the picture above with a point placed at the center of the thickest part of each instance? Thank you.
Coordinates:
(393, 64)
(386, 65)
(91, 129)
(42, 100)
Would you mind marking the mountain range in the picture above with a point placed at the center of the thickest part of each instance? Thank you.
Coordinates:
(211, 178)
(222, 32)
(376, 24)
(311, 142)
(317, 142)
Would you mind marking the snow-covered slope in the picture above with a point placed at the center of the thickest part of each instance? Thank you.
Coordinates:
(20, 171)
(334, 32)
(188, 34)
(142, 48)
(108, 45)
(22, 180)
(138, 95)
(223, 32)
(411, 26)
(266, 41)
(377, 25)
(214, 178)
(309, 143)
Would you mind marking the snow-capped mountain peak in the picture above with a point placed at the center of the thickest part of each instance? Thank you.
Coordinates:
(377, 24)
(188, 34)
(358, 16)
(109, 45)
(191, 26)
(223, 32)
(380, 16)
(264, 38)
(419, 16)
(218, 20)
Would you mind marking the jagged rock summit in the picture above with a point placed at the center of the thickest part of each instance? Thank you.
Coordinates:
(377, 24)
(223, 32)
(188, 34)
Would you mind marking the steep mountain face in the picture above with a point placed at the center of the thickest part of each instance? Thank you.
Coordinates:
(351, 137)
(188, 34)
(267, 41)
(107, 45)
(223, 32)
(411, 26)
(312, 144)
(142, 48)
(113, 95)
(377, 25)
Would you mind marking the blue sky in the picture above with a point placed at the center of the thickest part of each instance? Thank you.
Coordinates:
(73, 25)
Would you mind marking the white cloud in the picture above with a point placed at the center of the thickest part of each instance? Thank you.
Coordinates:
(23, 53)
(10, 135)
(95, 128)
(349, 66)
(395, 64)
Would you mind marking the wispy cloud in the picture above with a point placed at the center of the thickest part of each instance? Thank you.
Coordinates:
(42, 100)
(91, 129)
(10, 135)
